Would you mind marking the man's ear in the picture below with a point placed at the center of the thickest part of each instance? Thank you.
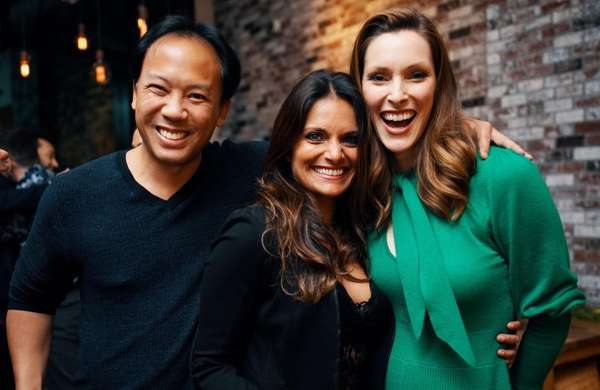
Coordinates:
(133, 98)
(223, 113)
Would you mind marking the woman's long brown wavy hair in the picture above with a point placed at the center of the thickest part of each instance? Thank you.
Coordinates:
(313, 254)
(447, 149)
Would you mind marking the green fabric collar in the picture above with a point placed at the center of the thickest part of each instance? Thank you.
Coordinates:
(426, 285)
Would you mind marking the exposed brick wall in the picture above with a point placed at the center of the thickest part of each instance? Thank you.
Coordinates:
(530, 67)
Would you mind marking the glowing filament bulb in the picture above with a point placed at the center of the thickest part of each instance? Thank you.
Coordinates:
(100, 74)
(142, 19)
(24, 68)
(82, 42)
(100, 69)
(143, 26)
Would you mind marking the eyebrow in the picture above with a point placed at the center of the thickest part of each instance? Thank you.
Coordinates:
(420, 64)
(316, 128)
(193, 86)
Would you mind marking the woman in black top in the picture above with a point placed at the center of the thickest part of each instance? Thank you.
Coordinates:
(285, 301)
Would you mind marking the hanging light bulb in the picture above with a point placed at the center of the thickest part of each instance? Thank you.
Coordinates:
(100, 68)
(24, 67)
(142, 19)
(82, 41)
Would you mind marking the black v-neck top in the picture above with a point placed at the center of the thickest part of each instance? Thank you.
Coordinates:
(360, 327)
(256, 336)
(139, 260)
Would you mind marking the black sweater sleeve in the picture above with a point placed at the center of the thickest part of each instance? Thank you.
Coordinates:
(228, 296)
(42, 275)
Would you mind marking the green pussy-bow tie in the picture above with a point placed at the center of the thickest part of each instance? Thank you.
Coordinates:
(425, 282)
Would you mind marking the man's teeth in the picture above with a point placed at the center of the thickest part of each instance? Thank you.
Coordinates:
(388, 116)
(171, 135)
(330, 171)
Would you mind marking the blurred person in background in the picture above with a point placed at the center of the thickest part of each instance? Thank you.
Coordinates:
(47, 154)
(21, 184)
(3, 161)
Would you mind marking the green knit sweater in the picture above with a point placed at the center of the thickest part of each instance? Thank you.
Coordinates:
(455, 285)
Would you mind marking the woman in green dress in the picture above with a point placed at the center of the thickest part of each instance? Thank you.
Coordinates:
(460, 245)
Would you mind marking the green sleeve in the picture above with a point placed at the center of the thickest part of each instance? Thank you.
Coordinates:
(527, 229)
(540, 346)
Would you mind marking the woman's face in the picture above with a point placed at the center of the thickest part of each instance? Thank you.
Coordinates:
(398, 85)
(324, 157)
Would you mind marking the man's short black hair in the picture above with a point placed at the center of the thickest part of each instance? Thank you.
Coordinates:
(181, 25)
(21, 144)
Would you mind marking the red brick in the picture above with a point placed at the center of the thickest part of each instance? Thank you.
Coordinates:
(587, 127)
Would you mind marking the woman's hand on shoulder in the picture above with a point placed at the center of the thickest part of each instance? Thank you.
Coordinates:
(512, 340)
(486, 134)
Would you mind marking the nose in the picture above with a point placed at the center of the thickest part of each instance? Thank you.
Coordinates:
(334, 151)
(397, 91)
(173, 109)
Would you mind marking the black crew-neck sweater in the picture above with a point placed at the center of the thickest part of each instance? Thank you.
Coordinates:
(139, 261)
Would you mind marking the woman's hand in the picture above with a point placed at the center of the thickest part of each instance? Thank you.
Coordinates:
(4, 162)
(512, 340)
(486, 134)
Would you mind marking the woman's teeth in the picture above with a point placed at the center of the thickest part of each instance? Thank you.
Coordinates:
(171, 135)
(330, 171)
(398, 120)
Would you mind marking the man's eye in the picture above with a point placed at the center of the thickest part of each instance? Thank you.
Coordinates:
(158, 89)
(197, 96)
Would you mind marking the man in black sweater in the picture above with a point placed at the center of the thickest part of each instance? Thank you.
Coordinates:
(136, 226)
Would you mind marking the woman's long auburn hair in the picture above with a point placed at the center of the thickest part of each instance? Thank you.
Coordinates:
(446, 159)
(313, 255)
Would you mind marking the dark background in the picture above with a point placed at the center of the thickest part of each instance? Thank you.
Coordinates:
(60, 97)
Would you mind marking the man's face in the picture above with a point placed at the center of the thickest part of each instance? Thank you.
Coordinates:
(46, 154)
(4, 162)
(177, 99)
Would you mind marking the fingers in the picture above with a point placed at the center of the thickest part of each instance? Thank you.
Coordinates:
(502, 140)
(514, 325)
(507, 354)
(485, 138)
(511, 339)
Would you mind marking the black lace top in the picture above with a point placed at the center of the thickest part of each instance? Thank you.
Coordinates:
(359, 326)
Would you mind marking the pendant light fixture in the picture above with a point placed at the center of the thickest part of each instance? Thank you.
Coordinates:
(101, 71)
(24, 59)
(142, 19)
(82, 41)
(24, 68)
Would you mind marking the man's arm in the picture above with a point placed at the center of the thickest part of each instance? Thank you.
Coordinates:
(41, 278)
(29, 342)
